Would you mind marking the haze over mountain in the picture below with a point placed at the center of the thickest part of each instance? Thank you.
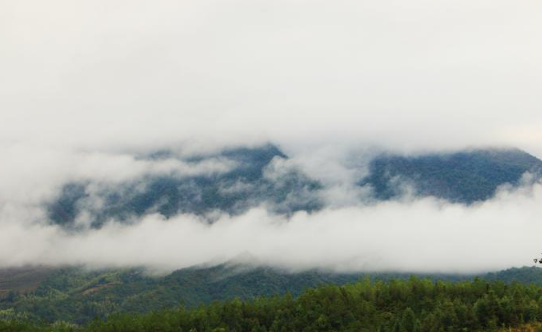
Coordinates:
(302, 134)
(258, 176)
(154, 153)
(261, 206)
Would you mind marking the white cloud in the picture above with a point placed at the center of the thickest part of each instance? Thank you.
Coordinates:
(31, 176)
(406, 75)
(85, 84)
(412, 236)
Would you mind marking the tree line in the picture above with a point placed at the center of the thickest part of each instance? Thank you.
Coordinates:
(413, 305)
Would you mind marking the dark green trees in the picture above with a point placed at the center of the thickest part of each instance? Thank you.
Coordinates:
(414, 305)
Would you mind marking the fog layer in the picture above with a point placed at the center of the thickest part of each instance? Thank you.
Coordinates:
(86, 86)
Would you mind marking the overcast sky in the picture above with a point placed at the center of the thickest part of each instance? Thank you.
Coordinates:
(83, 83)
(406, 74)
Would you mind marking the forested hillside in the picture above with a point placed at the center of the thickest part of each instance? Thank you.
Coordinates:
(245, 184)
(77, 295)
(413, 305)
(463, 177)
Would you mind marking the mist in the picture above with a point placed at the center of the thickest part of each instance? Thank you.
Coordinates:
(87, 87)
(406, 235)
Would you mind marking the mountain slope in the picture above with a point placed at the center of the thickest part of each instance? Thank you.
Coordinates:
(463, 177)
(76, 295)
(411, 305)
(244, 186)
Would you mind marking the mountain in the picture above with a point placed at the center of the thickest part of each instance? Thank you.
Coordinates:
(74, 294)
(461, 177)
(411, 305)
(244, 186)
(78, 295)
(524, 275)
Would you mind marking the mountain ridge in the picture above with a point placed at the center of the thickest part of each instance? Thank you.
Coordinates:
(462, 177)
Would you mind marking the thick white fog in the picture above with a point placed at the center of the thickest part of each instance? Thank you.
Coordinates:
(410, 236)
(86, 85)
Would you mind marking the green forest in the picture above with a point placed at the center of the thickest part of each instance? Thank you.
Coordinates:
(397, 305)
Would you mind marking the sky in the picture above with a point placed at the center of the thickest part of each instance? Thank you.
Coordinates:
(86, 85)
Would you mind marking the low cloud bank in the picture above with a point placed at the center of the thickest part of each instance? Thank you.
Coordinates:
(422, 235)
